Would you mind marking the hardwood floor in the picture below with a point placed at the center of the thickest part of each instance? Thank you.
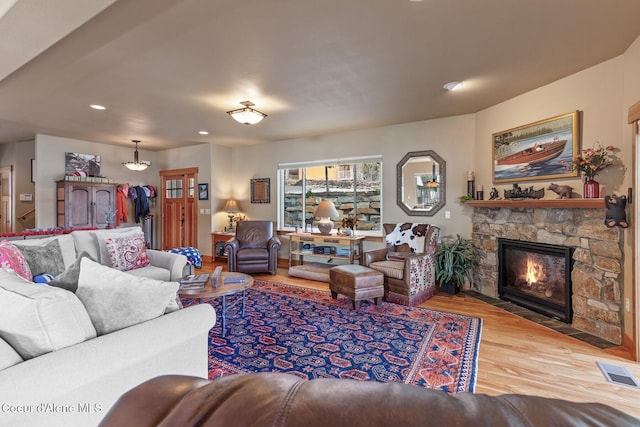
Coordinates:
(519, 356)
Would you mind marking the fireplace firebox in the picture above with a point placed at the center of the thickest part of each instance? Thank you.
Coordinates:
(536, 276)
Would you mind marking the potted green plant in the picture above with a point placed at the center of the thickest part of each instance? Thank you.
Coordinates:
(455, 262)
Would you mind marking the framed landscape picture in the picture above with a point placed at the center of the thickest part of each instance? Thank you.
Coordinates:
(542, 150)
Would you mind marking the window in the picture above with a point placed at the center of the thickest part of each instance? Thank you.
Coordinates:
(174, 189)
(345, 172)
(354, 186)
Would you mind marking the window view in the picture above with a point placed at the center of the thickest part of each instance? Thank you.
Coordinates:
(354, 187)
(174, 189)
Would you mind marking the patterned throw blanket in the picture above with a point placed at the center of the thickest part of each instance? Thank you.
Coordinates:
(408, 237)
(193, 255)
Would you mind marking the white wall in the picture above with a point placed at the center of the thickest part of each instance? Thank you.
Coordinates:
(447, 137)
(50, 158)
(596, 92)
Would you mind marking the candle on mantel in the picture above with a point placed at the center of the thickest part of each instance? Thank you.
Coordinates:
(470, 183)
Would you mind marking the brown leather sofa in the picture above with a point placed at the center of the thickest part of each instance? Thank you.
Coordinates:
(254, 248)
(273, 399)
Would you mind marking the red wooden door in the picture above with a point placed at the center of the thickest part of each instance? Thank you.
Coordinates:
(179, 214)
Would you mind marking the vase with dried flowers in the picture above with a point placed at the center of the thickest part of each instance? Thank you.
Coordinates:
(590, 162)
(348, 225)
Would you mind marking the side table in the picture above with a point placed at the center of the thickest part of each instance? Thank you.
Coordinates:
(218, 239)
(353, 247)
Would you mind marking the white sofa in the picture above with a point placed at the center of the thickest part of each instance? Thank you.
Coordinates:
(164, 265)
(89, 377)
(75, 385)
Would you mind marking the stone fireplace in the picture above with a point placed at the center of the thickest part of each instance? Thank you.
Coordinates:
(536, 276)
(596, 275)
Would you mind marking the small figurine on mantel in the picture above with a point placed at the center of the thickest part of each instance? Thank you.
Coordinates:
(494, 195)
(517, 193)
(563, 191)
(616, 211)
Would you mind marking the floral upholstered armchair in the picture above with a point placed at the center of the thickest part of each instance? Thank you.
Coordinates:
(407, 262)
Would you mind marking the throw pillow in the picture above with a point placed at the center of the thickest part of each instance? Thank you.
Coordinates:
(45, 258)
(68, 279)
(102, 235)
(11, 257)
(92, 241)
(86, 241)
(116, 300)
(37, 319)
(127, 253)
(67, 246)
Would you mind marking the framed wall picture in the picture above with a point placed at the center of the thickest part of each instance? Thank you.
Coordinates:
(260, 190)
(203, 191)
(542, 150)
(33, 170)
(78, 164)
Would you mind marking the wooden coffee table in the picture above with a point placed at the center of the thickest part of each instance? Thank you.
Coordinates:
(222, 290)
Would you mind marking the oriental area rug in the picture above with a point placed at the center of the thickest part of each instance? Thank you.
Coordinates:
(306, 333)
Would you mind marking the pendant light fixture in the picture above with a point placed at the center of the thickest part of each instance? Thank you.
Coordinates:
(137, 165)
(247, 115)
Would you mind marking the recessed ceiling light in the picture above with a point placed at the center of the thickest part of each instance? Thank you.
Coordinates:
(203, 132)
(98, 107)
(453, 85)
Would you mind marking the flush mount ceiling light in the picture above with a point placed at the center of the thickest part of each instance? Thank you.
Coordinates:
(453, 86)
(98, 107)
(137, 165)
(247, 115)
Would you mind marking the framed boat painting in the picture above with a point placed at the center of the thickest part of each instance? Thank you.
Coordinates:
(538, 151)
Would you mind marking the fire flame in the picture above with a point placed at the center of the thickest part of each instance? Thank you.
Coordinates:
(533, 271)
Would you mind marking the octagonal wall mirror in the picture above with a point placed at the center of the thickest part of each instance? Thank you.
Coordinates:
(421, 183)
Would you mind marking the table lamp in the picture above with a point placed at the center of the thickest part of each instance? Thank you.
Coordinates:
(325, 211)
(231, 208)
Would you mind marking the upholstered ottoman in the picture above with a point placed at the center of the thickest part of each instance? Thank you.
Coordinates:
(357, 283)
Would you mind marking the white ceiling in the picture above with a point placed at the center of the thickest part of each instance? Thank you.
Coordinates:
(166, 69)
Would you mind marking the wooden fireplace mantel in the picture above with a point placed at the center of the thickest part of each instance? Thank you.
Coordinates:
(539, 203)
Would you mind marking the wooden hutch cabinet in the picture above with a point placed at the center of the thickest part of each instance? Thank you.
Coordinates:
(83, 204)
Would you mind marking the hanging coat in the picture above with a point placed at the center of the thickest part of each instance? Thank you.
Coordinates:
(142, 204)
(121, 208)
